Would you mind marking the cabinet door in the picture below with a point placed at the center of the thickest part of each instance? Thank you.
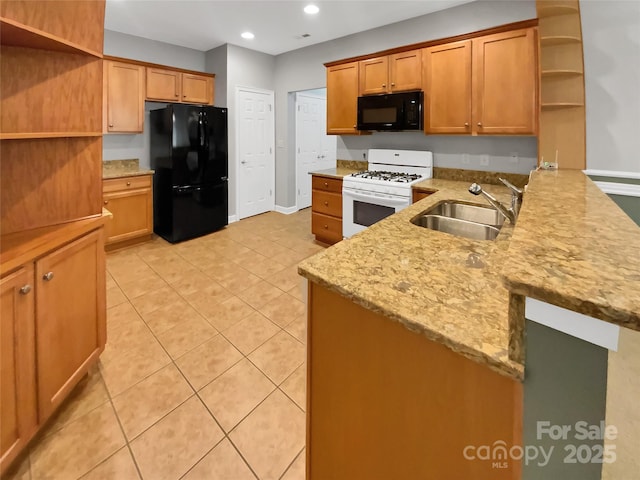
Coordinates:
(125, 97)
(163, 85)
(197, 89)
(505, 83)
(447, 82)
(17, 363)
(132, 214)
(71, 316)
(342, 98)
(374, 75)
(405, 71)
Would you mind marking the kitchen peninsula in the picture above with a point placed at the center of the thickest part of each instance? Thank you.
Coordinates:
(415, 336)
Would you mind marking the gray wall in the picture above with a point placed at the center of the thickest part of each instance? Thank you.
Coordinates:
(304, 69)
(611, 43)
(122, 146)
(244, 68)
(216, 62)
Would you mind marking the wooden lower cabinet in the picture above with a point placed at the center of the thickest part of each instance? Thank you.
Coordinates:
(53, 328)
(130, 201)
(17, 388)
(384, 402)
(71, 321)
(418, 194)
(326, 209)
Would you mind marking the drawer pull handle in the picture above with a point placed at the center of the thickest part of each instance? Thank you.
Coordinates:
(384, 85)
(466, 124)
(326, 184)
(326, 204)
(128, 184)
(111, 125)
(26, 289)
(479, 124)
(48, 276)
(106, 202)
(393, 84)
(326, 227)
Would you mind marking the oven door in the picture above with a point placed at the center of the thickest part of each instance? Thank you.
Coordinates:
(362, 209)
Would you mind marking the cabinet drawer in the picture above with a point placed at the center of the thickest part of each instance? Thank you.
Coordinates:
(327, 203)
(326, 184)
(126, 183)
(326, 229)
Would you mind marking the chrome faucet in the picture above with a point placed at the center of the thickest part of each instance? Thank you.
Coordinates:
(511, 213)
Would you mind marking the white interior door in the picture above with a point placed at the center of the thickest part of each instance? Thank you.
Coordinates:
(255, 147)
(315, 150)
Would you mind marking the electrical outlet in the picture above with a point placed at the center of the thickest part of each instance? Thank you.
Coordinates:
(465, 159)
(484, 160)
(513, 157)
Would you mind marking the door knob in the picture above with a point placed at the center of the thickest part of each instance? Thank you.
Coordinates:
(106, 202)
(243, 162)
(466, 124)
(326, 184)
(128, 184)
(111, 125)
(48, 276)
(326, 204)
(384, 85)
(393, 84)
(479, 124)
(326, 227)
(26, 289)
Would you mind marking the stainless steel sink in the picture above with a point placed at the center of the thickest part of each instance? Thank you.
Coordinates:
(470, 212)
(456, 226)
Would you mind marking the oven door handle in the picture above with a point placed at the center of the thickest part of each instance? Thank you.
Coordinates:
(369, 198)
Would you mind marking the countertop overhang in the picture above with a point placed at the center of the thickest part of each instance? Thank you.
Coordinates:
(572, 247)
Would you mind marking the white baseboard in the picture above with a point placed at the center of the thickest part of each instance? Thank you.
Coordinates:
(612, 173)
(286, 210)
(233, 218)
(625, 189)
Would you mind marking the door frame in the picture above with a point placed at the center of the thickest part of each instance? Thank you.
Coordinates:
(301, 93)
(272, 136)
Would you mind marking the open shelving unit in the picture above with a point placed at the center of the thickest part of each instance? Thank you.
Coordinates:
(50, 113)
(562, 99)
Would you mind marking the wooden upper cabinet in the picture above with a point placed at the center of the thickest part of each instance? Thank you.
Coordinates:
(17, 357)
(484, 86)
(70, 321)
(174, 86)
(391, 73)
(374, 76)
(405, 71)
(197, 89)
(447, 80)
(124, 108)
(342, 99)
(505, 83)
(163, 85)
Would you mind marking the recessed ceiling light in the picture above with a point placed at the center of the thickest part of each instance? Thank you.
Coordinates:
(311, 9)
(247, 35)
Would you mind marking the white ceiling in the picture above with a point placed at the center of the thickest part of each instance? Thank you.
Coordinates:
(277, 25)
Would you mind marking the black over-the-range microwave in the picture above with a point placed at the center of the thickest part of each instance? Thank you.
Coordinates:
(391, 111)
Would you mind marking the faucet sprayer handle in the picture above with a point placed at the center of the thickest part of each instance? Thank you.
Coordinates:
(513, 188)
(475, 189)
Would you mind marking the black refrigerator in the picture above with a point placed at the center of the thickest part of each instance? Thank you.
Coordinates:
(189, 155)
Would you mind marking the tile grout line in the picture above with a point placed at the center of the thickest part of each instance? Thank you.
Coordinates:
(172, 360)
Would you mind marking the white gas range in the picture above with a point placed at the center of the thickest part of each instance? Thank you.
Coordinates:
(384, 189)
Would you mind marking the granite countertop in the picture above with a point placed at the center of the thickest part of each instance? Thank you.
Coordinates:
(574, 248)
(123, 168)
(337, 172)
(423, 278)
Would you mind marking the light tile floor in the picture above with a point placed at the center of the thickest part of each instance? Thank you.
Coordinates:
(203, 376)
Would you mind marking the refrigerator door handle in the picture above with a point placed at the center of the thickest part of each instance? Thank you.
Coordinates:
(201, 130)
